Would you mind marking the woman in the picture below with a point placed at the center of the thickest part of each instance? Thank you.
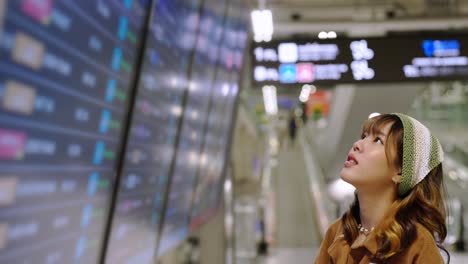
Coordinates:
(398, 215)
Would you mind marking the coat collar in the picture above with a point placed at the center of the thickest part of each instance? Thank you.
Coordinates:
(371, 243)
(339, 250)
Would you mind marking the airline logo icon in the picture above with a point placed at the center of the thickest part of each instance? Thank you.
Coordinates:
(12, 144)
(288, 52)
(287, 73)
(3, 235)
(441, 48)
(28, 51)
(19, 98)
(7, 190)
(305, 72)
(40, 11)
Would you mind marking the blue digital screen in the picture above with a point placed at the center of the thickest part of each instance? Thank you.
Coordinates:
(287, 73)
(216, 143)
(106, 108)
(66, 72)
(153, 132)
(184, 176)
(441, 48)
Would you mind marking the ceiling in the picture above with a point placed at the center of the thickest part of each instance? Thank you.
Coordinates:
(363, 17)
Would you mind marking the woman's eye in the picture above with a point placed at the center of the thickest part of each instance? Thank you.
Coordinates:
(363, 136)
(377, 139)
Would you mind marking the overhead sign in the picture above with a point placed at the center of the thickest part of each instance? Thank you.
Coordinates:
(364, 60)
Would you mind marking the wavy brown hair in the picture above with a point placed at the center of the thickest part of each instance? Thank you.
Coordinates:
(424, 204)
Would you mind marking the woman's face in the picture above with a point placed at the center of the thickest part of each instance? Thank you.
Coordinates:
(366, 165)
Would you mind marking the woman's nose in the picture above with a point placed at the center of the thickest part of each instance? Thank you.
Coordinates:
(357, 145)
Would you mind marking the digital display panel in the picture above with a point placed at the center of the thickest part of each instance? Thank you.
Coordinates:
(153, 132)
(361, 60)
(221, 117)
(180, 196)
(66, 69)
(213, 157)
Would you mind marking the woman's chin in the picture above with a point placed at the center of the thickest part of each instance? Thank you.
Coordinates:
(347, 177)
(344, 178)
(344, 174)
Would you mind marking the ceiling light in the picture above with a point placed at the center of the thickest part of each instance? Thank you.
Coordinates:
(262, 24)
(305, 93)
(323, 35)
(313, 89)
(269, 99)
(331, 35)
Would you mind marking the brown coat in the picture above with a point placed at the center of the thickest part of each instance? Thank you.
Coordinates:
(335, 249)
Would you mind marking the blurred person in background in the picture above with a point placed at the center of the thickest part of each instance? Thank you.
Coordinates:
(292, 127)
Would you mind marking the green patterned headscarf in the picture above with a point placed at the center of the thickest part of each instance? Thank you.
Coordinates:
(422, 152)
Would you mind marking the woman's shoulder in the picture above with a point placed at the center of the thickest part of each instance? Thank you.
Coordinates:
(334, 228)
(329, 238)
(424, 249)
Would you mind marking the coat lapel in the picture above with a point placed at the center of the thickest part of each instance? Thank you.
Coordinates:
(339, 250)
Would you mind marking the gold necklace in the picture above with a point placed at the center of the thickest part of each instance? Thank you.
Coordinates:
(364, 231)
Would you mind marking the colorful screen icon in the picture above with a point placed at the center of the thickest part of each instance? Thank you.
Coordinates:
(19, 98)
(12, 144)
(8, 190)
(305, 72)
(28, 51)
(288, 52)
(287, 73)
(40, 11)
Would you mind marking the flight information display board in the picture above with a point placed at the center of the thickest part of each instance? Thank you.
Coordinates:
(361, 60)
(177, 212)
(153, 132)
(65, 77)
(221, 117)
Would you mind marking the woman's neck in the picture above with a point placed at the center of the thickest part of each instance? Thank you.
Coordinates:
(373, 207)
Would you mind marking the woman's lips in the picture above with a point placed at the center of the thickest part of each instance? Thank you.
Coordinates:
(351, 161)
